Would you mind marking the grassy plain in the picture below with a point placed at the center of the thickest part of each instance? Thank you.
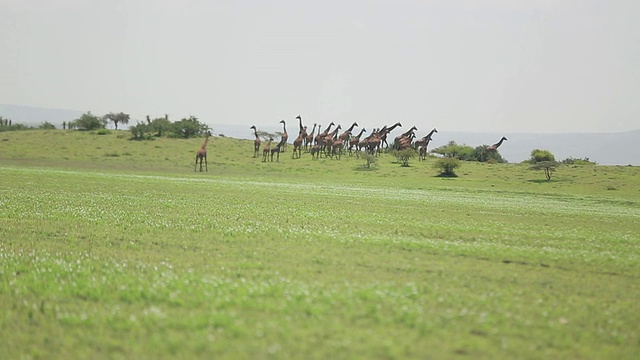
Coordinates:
(113, 248)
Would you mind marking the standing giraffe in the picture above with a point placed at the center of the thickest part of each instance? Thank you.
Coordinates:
(276, 150)
(285, 135)
(495, 146)
(256, 142)
(385, 131)
(266, 150)
(202, 155)
(355, 140)
(309, 139)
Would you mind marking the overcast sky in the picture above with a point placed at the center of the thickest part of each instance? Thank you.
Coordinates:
(492, 66)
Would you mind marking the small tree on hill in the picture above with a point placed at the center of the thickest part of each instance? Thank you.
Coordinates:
(189, 127)
(116, 118)
(405, 155)
(548, 166)
(481, 154)
(447, 166)
(543, 160)
(538, 155)
(161, 126)
(88, 121)
(452, 149)
(138, 131)
(371, 160)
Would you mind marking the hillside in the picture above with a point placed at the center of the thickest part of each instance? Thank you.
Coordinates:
(603, 148)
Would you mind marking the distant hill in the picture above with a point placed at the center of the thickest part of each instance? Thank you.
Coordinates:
(33, 116)
(603, 148)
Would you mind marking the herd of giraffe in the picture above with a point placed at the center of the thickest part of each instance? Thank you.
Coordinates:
(333, 144)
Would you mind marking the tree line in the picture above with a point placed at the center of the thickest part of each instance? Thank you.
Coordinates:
(184, 128)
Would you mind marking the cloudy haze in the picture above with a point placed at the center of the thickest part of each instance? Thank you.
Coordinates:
(494, 66)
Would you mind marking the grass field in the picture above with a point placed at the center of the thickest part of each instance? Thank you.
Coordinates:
(113, 248)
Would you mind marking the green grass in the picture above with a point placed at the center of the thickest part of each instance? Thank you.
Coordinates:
(116, 248)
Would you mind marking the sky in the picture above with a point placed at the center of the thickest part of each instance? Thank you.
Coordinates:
(543, 66)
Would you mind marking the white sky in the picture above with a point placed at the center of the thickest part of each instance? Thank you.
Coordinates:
(492, 66)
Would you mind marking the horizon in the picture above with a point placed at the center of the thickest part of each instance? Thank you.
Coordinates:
(494, 66)
(279, 126)
(604, 148)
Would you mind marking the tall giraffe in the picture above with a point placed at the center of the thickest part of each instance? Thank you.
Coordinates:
(495, 146)
(324, 133)
(385, 131)
(202, 155)
(256, 142)
(285, 135)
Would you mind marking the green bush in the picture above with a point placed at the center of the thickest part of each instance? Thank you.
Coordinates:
(405, 155)
(538, 155)
(573, 161)
(88, 121)
(447, 166)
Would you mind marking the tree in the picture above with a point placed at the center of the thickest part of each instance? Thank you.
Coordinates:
(88, 121)
(138, 131)
(405, 155)
(538, 155)
(160, 125)
(371, 160)
(46, 125)
(543, 160)
(189, 127)
(265, 135)
(119, 118)
(481, 154)
(460, 152)
(548, 166)
(447, 166)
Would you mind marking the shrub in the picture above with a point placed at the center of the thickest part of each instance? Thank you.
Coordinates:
(572, 161)
(404, 155)
(89, 121)
(447, 166)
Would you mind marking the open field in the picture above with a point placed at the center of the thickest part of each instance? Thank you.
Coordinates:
(115, 248)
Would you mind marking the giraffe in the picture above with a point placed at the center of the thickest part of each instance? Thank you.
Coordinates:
(324, 133)
(337, 146)
(422, 155)
(202, 155)
(276, 150)
(385, 131)
(302, 130)
(327, 141)
(256, 142)
(423, 143)
(346, 135)
(266, 150)
(402, 138)
(355, 140)
(495, 146)
(309, 139)
(315, 152)
(285, 135)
